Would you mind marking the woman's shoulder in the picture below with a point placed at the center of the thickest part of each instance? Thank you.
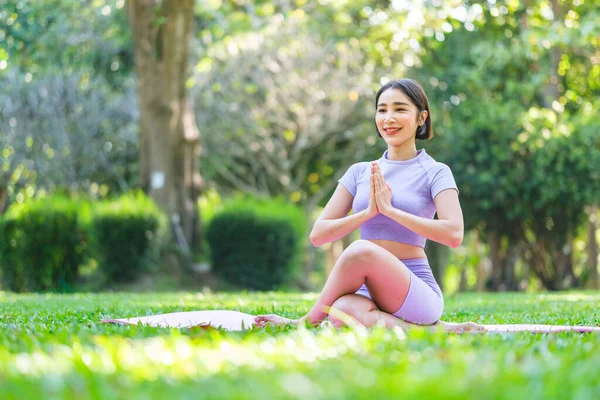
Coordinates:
(360, 166)
(433, 167)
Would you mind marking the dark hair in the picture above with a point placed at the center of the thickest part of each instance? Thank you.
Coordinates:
(414, 91)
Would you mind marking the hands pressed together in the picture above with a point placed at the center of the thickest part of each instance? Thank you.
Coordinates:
(380, 197)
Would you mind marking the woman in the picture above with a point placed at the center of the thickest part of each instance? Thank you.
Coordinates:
(385, 275)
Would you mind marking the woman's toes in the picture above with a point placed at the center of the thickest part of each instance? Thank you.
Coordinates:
(262, 320)
(471, 327)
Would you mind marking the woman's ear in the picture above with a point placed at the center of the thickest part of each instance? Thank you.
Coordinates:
(423, 117)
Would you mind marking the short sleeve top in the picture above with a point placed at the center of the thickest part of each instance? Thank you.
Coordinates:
(415, 184)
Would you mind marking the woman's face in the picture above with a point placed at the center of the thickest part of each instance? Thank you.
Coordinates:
(397, 118)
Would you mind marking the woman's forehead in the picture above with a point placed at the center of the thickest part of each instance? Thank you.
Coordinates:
(392, 96)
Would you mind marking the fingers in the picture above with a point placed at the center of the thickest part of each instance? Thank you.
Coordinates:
(373, 177)
(378, 176)
(372, 181)
(377, 180)
(372, 189)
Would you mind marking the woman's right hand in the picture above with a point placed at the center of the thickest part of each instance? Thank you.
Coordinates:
(372, 209)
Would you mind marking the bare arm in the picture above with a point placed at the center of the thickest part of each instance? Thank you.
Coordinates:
(334, 222)
(448, 229)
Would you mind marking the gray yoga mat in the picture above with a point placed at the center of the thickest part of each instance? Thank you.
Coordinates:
(236, 321)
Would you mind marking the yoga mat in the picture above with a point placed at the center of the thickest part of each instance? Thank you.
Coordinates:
(228, 320)
(237, 321)
(535, 328)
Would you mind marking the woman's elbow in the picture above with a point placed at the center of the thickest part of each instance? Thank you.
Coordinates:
(456, 239)
(314, 239)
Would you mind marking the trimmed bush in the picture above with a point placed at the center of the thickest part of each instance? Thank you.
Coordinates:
(256, 244)
(41, 245)
(126, 235)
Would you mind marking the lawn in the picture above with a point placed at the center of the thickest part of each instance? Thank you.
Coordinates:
(52, 346)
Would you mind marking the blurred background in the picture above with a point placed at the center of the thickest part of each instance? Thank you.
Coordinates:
(150, 145)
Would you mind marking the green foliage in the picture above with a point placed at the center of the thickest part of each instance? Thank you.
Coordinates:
(276, 208)
(127, 235)
(66, 131)
(512, 86)
(67, 108)
(209, 203)
(42, 245)
(86, 36)
(51, 344)
(281, 146)
(516, 128)
(257, 244)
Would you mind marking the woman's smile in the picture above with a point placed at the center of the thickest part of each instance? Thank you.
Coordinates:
(391, 131)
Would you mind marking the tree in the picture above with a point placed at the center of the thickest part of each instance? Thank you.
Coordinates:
(291, 112)
(66, 36)
(519, 132)
(287, 116)
(66, 133)
(169, 137)
(65, 105)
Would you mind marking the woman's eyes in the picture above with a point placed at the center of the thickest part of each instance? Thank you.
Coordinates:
(398, 109)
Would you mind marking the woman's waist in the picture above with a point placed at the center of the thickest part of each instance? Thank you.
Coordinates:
(402, 251)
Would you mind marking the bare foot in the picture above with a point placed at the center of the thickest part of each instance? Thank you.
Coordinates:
(460, 327)
(272, 319)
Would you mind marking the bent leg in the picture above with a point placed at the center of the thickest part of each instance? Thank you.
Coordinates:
(362, 310)
(366, 312)
(357, 307)
(388, 281)
(363, 262)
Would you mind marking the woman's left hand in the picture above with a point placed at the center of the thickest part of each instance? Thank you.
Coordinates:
(383, 191)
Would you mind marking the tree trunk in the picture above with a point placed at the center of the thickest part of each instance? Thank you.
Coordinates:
(592, 248)
(509, 278)
(503, 258)
(169, 137)
(483, 266)
(564, 266)
(3, 198)
(462, 281)
(497, 259)
(537, 258)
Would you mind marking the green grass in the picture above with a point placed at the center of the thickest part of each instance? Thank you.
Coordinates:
(52, 346)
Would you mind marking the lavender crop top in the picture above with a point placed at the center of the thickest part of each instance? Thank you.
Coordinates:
(414, 182)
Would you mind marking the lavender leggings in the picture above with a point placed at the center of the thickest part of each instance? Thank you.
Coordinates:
(424, 302)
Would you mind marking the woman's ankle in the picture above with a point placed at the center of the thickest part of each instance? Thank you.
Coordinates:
(313, 319)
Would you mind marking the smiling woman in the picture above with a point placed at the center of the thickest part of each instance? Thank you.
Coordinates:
(403, 106)
(386, 275)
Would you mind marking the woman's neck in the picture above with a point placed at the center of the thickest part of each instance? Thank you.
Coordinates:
(402, 153)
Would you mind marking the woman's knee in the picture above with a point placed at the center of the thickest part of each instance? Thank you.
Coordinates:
(350, 305)
(358, 251)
